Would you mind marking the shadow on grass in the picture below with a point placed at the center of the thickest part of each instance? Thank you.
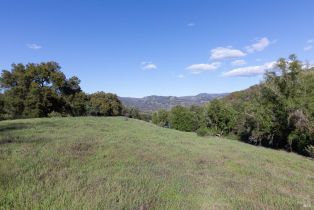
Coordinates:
(10, 139)
(8, 135)
(21, 126)
(13, 126)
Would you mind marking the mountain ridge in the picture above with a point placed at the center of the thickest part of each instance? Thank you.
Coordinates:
(155, 102)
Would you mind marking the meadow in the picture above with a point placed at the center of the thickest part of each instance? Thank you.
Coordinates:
(114, 163)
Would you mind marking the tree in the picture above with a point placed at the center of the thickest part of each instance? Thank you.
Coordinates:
(280, 115)
(161, 118)
(77, 104)
(71, 86)
(220, 116)
(35, 90)
(1, 106)
(183, 119)
(28, 89)
(254, 123)
(134, 113)
(105, 104)
(200, 114)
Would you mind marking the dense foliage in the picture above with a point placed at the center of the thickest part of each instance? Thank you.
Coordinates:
(161, 118)
(41, 90)
(220, 116)
(281, 114)
(278, 113)
(104, 104)
(135, 113)
(181, 118)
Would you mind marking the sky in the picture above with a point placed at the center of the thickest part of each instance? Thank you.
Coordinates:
(138, 48)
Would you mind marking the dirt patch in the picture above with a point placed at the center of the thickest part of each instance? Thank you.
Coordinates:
(54, 171)
(82, 149)
(202, 162)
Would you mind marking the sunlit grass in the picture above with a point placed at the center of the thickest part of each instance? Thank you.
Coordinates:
(111, 163)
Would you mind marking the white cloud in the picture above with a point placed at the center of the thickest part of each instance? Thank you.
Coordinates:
(307, 48)
(199, 68)
(310, 41)
(33, 46)
(226, 52)
(260, 45)
(238, 62)
(250, 71)
(191, 24)
(308, 65)
(148, 66)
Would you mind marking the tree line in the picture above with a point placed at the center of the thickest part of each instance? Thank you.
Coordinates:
(278, 113)
(42, 90)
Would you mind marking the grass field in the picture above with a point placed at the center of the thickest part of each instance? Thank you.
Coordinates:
(111, 163)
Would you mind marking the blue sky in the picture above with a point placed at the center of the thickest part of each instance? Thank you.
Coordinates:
(157, 47)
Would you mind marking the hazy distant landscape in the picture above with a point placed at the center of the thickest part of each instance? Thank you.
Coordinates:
(155, 103)
(144, 105)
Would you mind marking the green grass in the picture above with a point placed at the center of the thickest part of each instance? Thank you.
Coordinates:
(111, 163)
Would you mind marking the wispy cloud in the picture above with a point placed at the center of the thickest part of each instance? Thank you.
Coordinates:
(238, 62)
(250, 71)
(307, 48)
(310, 44)
(258, 46)
(191, 24)
(33, 46)
(220, 53)
(199, 68)
(148, 65)
(310, 41)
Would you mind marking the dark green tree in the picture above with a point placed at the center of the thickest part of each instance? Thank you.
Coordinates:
(1, 106)
(220, 116)
(104, 104)
(161, 118)
(35, 90)
(181, 118)
(77, 104)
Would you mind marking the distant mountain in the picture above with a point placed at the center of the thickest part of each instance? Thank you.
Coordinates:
(154, 103)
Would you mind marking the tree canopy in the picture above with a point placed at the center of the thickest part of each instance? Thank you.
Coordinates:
(35, 90)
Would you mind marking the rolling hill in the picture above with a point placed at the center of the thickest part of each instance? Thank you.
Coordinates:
(154, 103)
(114, 163)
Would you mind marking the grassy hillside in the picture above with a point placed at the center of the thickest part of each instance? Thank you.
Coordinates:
(110, 163)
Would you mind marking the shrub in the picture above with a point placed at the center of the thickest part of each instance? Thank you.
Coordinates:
(310, 150)
(161, 118)
(221, 116)
(104, 104)
(202, 131)
(183, 119)
(55, 114)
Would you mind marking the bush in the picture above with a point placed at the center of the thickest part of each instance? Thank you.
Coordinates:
(183, 119)
(104, 104)
(221, 116)
(310, 150)
(55, 114)
(202, 131)
(161, 118)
